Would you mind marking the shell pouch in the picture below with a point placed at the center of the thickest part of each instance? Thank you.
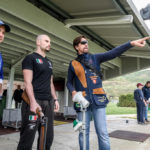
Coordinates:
(100, 99)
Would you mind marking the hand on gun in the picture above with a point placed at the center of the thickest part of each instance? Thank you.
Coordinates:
(35, 107)
(56, 106)
(79, 98)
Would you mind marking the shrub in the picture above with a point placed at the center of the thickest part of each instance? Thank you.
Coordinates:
(126, 101)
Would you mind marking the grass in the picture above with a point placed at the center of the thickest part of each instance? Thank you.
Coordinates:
(113, 109)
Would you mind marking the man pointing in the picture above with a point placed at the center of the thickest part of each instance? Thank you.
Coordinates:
(85, 72)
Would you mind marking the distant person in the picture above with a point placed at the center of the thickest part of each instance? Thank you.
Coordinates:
(146, 92)
(3, 29)
(140, 103)
(17, 96)
(4, 93)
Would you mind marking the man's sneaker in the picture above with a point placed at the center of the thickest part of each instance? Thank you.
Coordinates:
(147, 120)
(77, 125)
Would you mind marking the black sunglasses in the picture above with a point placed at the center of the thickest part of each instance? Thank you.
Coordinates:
(84, 42)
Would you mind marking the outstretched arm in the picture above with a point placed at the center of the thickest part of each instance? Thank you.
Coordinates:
(115, 52)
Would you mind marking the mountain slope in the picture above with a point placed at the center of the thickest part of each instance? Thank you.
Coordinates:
(125, 84)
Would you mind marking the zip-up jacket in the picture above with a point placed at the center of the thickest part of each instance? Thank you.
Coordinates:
(89, 82)
(146, 92)
(139, 96)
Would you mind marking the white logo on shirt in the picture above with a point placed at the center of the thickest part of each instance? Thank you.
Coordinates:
(50, 64)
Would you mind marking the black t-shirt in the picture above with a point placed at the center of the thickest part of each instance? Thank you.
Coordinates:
(42, 72)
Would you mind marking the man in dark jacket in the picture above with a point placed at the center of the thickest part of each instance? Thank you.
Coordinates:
(146, 92)
(140, 103)
(17, 96)
(85, 73)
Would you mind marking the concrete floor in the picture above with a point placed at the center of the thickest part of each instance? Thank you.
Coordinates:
(66, 139)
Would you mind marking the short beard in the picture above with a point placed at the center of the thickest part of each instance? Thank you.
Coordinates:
(46, 51)
(84, 51)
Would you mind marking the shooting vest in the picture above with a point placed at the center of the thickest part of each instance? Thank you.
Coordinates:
(90, 85)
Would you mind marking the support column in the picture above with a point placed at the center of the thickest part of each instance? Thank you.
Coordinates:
(66, 94)
(104, 74)
(10, 88)
(138, 64)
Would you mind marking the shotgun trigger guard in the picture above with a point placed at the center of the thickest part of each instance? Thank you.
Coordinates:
(43, 120)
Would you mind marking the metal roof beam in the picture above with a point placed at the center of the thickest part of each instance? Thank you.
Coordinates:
(110, 20)
(19, 60)
(93, 12)
(52, 9)
(145, 54)
(35, 26)
(8, 51)
(107, 64)
(125, 12)
(31, 31)
(56, 51)
(12, 48)
(18, 44)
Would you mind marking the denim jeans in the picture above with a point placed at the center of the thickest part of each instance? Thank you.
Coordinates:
(146, 112)
(140, 112)
(99, 117)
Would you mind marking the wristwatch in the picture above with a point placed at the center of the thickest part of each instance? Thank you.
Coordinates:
(55, 100)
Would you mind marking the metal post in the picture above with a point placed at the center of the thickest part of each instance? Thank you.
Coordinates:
(66, 94)
(84, 129)
(9, 88)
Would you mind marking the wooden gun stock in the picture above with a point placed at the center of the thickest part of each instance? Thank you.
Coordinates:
(43, 132)
(27, 100)
(43, 122)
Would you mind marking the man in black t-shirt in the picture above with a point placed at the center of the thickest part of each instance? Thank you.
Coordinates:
(38, 79)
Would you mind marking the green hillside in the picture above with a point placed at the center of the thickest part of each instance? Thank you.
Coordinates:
(125, 84)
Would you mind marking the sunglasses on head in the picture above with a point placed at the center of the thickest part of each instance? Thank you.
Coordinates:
(84, 42)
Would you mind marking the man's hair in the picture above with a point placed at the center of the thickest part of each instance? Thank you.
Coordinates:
(77, 40)
(39, 37)
(147, 82)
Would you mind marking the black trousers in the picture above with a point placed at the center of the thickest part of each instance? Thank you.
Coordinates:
(29, 128)
(17, 103)
(140, 112)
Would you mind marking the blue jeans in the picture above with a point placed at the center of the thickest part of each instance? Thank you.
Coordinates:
(99, 117)
(140, 112)
(146, 112)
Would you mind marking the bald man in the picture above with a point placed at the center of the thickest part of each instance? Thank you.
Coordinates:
(3, 29)
(38, 79)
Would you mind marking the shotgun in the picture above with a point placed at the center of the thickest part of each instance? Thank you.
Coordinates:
(43, 121)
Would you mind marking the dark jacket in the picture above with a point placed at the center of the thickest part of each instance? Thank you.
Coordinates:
(17, 95)
(87, 81)
(146, 92)
(138, 96)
